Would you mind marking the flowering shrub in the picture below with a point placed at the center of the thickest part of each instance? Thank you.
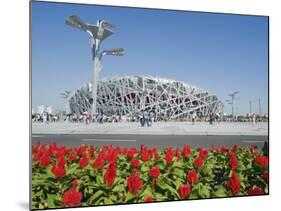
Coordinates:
(89, 175)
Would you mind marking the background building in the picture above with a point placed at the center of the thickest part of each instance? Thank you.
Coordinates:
(129, 95)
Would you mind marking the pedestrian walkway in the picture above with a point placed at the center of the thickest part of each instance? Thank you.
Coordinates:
(158, 128)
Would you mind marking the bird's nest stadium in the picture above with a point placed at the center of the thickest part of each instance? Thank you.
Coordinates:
(129, 95)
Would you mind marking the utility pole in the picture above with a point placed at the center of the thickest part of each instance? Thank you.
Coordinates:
(259, 107)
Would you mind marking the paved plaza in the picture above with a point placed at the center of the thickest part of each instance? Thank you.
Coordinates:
(158, 128)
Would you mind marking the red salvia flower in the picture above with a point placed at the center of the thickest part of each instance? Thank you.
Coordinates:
(233, 184)
(255, 191)
(154, 171)
(84, 161)
(233, 162)
(186, 151)
(177, 154)
(110, 174)
(148, 199)
(203, 153)
(111, 155)
(169, 155)
(72, 157)
(99, 162)
(72, 197)
(134, 184)
(44, 160)
(58, 171)
(135, 162)
(253, 149)
(184, 191)
(156, 155)
(224, 149)
(61, 161)
(145, 153)
(198, 162)
(261, 161)
(131, 152)
(235, 147)
(192, 177)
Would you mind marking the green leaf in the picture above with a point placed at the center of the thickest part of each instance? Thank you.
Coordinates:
(100, 180)
(108, 201)
(166, 187)
(98, 194)
(204, 191)
(130, 197)
(177, 164)
(178, 172)
(147, 191)
(220, 192)
(53, 200)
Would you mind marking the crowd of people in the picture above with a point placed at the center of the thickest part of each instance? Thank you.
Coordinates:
(45, 117)
(144, 117)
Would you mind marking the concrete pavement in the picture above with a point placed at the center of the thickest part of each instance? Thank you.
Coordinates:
(158, 128)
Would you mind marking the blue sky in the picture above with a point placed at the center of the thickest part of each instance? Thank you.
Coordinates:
(217, 52)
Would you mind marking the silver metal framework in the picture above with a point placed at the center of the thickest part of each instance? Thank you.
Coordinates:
(129, 95)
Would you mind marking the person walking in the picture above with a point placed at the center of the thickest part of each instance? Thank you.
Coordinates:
(193, 117)
(254, 118)
(211, 118)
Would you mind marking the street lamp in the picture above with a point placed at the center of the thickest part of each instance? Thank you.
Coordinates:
(232, 95)
(97, 33)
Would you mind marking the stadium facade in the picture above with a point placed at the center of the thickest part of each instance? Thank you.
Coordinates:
(129, 95)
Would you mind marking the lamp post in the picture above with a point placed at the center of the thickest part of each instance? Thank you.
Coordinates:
(259, 107)
(232, 95)
(250, 107)
(97, 33)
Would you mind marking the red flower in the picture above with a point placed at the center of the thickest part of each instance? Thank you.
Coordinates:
(148, 199)
(58, 171)
(44, 160)
(233, 162)
(99, 162)
(72, 157)
(145, 153)
(266, 176)
(184, 191)
(131, 152)
(111, 155)
(156, 155)
(110, 174)
(255, 191)
(135, 162)
(198, 162)
(224, 149)
(192, 177)
(186, 151)
(261, 161)
(169, 155)
(203, 153)
(134, 184)
(234, 184)
(235, 147)
(72, 197)
(84, 161)
(253, 149)
(154, 171)
(61, 161)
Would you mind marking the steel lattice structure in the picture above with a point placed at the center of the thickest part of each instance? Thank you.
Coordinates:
(128, 95)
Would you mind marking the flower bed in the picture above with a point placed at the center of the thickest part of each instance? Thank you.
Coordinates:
(88, 175)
